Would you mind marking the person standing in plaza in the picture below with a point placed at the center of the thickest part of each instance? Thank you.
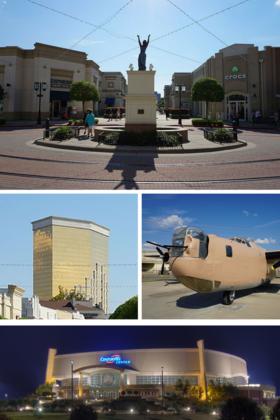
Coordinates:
(118, 117)
(253, 117)
(258, 117)
(84, 119)
(110, 114)
(90, 120)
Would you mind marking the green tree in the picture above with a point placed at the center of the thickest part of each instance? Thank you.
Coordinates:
(128, 310)
(83, 91)
(200, 393)
(1, 92)
(241, 408)
(64, 294)
(275, 413)
(45, 389)
(142, 407)
(83, 412)
(186, 388)
(193, 393)
(179, 385)
(3, 416)
(208, 90)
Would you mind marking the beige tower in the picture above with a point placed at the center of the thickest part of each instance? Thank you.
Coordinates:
(73, 254)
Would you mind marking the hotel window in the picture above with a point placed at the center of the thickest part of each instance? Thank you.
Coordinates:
(85, 380)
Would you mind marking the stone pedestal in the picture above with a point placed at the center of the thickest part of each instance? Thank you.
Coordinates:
(140, 101)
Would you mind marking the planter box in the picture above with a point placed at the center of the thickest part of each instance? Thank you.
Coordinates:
(228, 137)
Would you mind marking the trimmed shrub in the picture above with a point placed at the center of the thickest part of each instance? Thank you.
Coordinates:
(208, 123)
(2, 121)
(63, 133)
(70, 122)
(149, 138)
(96, 120)
(79, 122)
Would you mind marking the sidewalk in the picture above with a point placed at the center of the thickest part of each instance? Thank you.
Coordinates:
(161, 121)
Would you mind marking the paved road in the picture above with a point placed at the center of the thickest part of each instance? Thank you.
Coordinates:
(171, 300)
(24, 165)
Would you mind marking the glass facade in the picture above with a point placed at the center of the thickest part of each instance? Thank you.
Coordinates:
(167, 380)
(74, 258)
(235, 380)
(111, 379)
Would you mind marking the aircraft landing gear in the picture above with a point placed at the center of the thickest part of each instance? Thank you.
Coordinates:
(228, 297)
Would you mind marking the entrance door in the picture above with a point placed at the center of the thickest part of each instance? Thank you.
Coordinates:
(55, 109)
(241, 110)
(237, 106)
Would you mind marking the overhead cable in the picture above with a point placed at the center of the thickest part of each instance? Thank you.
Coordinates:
(206, 30)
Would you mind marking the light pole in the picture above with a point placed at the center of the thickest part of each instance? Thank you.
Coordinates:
(162, 389)
(40, 86)
(180, 89)
(72, 387)
(248, 387)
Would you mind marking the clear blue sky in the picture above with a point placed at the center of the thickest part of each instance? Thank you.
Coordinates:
(118, 212)
(227, 215)
(255, 22)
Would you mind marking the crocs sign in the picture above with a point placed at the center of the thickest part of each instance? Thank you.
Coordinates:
(115, 358)
(236, 76)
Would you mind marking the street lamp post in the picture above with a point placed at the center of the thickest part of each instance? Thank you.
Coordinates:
(40, 86)
(248, 387)
(180, 89)
(72, 387)
(162, 389)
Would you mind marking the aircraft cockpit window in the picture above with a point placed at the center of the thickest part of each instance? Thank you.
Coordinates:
(244, 241)
(179, 239)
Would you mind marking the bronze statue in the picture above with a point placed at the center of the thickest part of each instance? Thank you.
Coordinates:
(142, 55)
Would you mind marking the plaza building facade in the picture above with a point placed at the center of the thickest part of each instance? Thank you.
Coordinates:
(58, 68)
(73, 254)
(11, 302)
(250, 77)
(108, 373)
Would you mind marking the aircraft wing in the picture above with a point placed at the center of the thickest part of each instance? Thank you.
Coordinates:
(273, 258)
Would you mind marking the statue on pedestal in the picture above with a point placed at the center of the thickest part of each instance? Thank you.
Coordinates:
(142, 55)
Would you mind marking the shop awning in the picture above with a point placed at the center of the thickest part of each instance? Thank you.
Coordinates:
(59, 96)
(110, 101)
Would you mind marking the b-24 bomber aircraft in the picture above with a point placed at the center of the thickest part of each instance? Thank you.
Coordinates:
(208, 263)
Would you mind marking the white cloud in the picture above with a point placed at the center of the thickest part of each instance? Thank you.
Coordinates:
(149, 247)
(4, 1)
(173, 221)
(246, 212)
(255, 214)
(277, 3)
(265, 241)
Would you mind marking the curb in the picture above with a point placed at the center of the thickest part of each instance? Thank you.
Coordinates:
(41, 142)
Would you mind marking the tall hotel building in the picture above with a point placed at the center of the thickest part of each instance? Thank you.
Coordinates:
(73, 254)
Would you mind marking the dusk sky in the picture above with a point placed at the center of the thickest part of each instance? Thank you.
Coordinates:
(118, 212)
(226, 215)
(24, 349)
(182, 50)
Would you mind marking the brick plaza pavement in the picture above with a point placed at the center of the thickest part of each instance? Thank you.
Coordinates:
(24, 165)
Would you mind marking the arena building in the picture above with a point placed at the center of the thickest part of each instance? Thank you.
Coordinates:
(150, 372)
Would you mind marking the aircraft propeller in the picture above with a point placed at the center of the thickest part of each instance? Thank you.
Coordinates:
(164, 255)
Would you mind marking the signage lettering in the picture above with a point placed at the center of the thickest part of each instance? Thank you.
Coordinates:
(115, 358)
(65, 84)
(236, 76)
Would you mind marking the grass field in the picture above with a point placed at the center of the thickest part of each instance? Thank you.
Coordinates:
(102, 416)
